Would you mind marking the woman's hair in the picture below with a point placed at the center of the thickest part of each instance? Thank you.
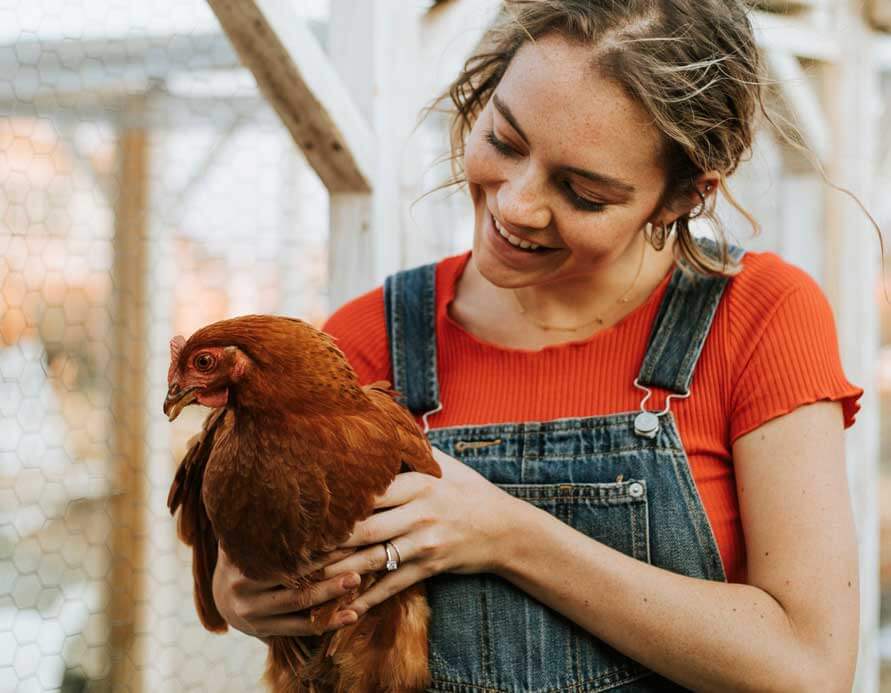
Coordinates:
(692, 64)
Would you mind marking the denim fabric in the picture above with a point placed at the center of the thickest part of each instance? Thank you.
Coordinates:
(413, 321)
(632, 492)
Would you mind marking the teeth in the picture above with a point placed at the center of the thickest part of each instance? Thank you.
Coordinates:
(513, 240)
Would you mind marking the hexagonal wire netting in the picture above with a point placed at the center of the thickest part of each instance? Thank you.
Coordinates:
(145, 190)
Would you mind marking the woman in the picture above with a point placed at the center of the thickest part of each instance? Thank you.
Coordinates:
(576, 542)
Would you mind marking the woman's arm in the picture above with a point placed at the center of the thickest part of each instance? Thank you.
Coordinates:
(793, 628)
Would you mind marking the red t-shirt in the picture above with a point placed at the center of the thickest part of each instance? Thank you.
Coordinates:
(772, 347)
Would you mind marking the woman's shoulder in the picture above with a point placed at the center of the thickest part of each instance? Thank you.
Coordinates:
(357, 314)
(367, 310)
(359, 326)
(769, 290)
(360, 330)
(767, 275)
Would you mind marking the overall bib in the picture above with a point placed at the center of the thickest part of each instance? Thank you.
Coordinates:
(621, 479)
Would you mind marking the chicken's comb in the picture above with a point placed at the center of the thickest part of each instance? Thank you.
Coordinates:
(176, 347)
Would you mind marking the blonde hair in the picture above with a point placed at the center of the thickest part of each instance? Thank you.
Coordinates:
(693, 65)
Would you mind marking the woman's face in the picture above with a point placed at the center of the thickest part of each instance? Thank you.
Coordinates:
(562, 158)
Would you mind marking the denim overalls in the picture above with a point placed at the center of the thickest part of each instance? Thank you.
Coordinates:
(622, 479)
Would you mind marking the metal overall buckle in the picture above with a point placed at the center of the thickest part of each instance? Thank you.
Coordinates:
(646, 424)
(430, 413)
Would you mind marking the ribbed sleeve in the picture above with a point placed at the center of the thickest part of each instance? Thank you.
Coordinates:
(793, 360)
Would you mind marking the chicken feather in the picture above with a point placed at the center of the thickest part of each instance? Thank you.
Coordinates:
(290, 459)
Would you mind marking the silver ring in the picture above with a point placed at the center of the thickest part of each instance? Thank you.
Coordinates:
(392, 561)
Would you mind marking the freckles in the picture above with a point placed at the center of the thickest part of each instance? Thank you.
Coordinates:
(481, 165)
(476, 168)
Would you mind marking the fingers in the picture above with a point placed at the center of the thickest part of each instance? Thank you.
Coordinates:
(264, 608)
(334, 556)
(283, 600)
(383, 526)
(244, 586)
(405, 576)
(371, 559)
(404, 487)
(296, 625)
(324, 560)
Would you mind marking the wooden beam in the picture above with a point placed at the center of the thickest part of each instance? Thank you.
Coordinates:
(450, 32)
(879, 14)
(299, 82)
(852, 253)
(795, 36)
(128, 401)
(882, 51)
(802, 100)
(104, 68)
(375, 46)
(350, 247)
(883, 178)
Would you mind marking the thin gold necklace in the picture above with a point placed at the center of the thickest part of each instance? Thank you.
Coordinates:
(624, 298)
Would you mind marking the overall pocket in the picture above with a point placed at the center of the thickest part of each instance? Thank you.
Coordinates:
(487, 634)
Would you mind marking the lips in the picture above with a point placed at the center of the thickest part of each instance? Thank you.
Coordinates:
(517, 241)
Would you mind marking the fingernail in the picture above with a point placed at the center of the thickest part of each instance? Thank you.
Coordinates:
(350, 581)
(348, 617)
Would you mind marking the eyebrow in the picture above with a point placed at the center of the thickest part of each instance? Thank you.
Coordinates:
(600, 178)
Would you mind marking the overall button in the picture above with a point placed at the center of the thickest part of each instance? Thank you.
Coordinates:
(646, 424)
(635, 490)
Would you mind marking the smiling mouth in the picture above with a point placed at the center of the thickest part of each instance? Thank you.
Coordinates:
(517, 242)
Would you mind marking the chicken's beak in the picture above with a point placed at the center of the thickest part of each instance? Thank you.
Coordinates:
(177, 400)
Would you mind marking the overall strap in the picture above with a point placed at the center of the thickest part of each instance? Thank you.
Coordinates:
(682, 324)
(410, 305)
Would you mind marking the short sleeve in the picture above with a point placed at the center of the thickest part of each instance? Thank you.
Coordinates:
(794, 361)
(359, 329)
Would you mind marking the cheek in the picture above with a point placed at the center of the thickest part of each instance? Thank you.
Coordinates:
(481, 165)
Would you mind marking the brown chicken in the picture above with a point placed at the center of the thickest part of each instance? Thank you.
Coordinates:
(290, 459)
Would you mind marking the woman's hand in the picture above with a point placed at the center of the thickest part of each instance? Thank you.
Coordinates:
(457, 524)
(265, 608)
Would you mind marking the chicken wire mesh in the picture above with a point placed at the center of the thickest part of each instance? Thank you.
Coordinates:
(145, 190)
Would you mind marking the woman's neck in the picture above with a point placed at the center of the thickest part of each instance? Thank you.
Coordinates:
(596, 300)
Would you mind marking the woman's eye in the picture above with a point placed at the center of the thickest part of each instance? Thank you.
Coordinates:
(500, 146)
(204, 362)
(582, 202)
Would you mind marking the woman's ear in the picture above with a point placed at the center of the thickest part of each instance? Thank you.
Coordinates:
(705, 185)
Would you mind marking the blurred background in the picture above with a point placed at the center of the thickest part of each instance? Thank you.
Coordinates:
(164, 165)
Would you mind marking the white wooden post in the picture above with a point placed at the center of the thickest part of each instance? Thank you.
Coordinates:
(299, 81)
(852, 270)
(375, 47)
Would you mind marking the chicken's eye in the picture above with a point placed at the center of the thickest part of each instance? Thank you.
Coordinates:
(204, 362)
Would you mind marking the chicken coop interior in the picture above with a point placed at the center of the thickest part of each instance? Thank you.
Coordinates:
(161, 168)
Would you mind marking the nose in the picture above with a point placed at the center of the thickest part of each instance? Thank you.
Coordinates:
(522, 200)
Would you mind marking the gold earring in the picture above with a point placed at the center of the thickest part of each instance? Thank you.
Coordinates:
(656, 235)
